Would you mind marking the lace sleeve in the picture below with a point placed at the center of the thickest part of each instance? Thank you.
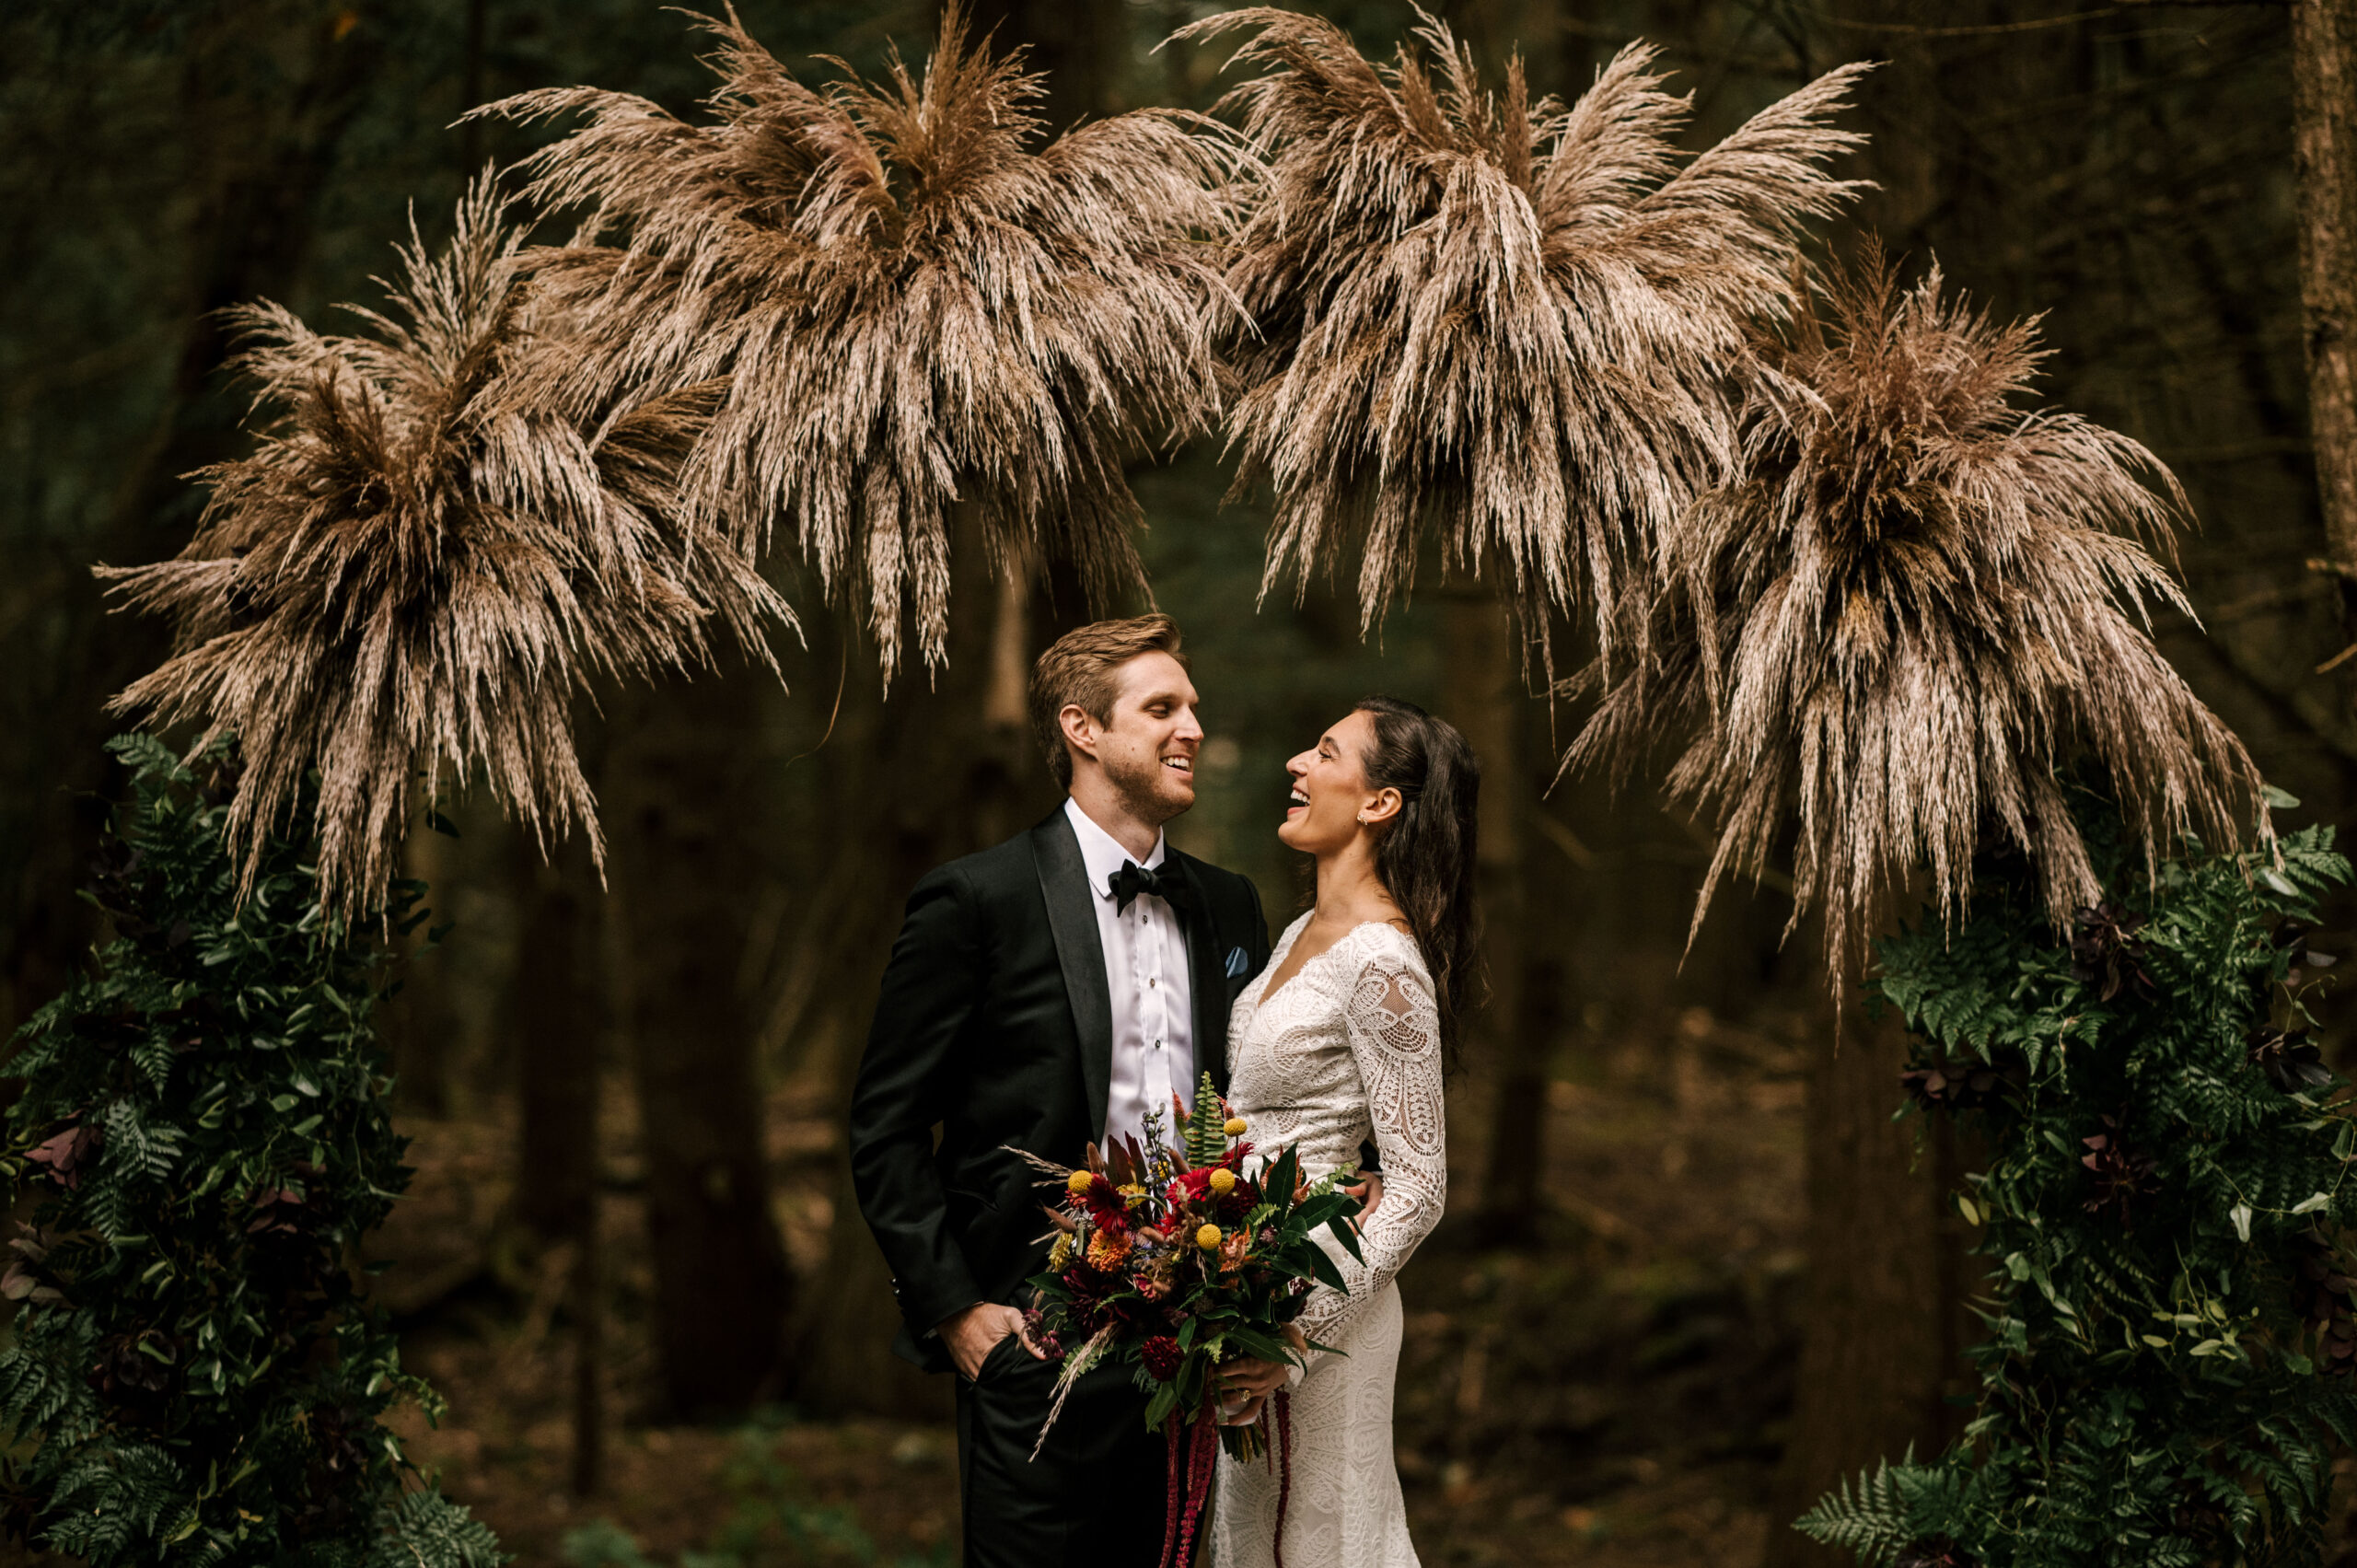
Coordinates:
(1394, 1031)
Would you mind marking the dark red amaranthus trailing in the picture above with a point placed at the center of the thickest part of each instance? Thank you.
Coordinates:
(1283, 1450)
(1190, 1481)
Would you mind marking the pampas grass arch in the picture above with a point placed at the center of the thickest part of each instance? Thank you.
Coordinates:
(1503, 322)
(1913, 607)
(423, 565)
(917, 305)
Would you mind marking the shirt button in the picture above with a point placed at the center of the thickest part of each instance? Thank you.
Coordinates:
(1152, 984)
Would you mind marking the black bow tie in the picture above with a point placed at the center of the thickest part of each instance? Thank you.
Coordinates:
(1132, 879)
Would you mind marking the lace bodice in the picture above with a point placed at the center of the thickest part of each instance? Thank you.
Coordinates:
(1347, 1050)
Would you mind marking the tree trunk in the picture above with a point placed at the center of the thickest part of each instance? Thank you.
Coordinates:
(556, 1022)
(1885, 1277)
(470, 91)
(1481, 691)
(1508, 1044)
(2324, 111)
(1071, 45)
(918, 779)
(420, 1026)
(553, 1021)
(586, 1303)
(684, 811)
(1888, 1276)
(257, 169)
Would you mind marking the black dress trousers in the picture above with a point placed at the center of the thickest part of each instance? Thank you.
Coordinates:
(1093, 1497)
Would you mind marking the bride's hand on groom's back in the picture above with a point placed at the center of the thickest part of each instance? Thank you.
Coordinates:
(972, 1334)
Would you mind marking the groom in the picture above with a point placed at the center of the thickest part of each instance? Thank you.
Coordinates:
(1047, 994)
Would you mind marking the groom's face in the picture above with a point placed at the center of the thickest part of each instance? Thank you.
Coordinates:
(1147, 749)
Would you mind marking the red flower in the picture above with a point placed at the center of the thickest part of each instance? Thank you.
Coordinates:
(1193, 1189)
(1162, 1356)
(1088, 1316)
(1101, 1202)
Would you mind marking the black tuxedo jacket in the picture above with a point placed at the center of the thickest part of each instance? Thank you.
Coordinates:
(995, 1024)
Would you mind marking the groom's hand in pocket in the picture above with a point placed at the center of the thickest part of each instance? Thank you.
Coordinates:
(972, 1334)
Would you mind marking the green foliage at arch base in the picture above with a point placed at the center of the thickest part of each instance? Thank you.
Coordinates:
(2165, 1211)
(194, 1376)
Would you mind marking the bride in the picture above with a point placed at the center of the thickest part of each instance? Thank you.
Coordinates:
(1343, 1036)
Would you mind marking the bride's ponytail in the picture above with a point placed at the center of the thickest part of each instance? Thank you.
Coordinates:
(1427, 857)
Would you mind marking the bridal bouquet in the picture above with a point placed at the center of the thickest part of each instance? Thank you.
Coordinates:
(1175, 1260)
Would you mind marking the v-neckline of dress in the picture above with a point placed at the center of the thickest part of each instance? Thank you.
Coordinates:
(1278, 960)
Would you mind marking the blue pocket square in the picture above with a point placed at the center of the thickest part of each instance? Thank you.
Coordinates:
(1236, 963)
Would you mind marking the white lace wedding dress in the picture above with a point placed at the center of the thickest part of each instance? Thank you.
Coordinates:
(1348, 1049)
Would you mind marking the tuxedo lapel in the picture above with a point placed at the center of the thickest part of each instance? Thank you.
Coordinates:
(1064, 882)
(1206, 982)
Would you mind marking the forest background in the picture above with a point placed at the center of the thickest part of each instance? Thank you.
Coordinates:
(630, 1257)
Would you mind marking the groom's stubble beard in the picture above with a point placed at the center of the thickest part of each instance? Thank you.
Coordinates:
(1141, 790)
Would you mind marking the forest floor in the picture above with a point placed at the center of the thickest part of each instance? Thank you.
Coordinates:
(1611, 1396)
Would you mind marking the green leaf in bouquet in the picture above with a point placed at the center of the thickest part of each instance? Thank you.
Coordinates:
(1324, 1209)
(1164, 1400)
(1253, 1343)
(1190, 1381)
(1289, 1265)
(1206, 1134)
(1323, 1268)
(1283, 1175)
(1187, 1332)
(1347, 1233)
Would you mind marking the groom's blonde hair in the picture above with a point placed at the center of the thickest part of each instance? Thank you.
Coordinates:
(1078, 671)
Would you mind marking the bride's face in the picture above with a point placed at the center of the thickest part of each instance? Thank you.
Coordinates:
(1330, 802)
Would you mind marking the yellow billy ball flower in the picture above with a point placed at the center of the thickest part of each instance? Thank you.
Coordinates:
(1234, 1127)
(1080, 1181)
(1222, 1181)
(1208, 1238)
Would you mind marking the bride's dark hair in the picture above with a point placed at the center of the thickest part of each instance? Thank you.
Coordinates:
(1425, 858)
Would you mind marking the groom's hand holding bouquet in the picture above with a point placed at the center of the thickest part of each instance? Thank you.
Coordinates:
(1181, 1263)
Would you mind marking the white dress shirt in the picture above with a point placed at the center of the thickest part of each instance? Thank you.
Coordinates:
(1146, 975)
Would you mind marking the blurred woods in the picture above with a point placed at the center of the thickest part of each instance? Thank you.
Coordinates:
(629, 1099)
